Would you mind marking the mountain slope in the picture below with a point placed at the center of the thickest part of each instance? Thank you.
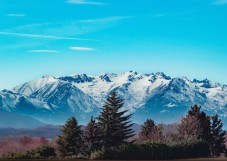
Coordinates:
(146, 95)
(62, 99)
(14, 102)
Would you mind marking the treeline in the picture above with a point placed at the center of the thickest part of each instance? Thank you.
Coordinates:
(110, 136)
(195, 126)
(19, 147)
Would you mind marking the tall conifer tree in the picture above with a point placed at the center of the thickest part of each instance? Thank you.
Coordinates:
(70, 143)
(92, 136)
(114, 123)
(150, 131)
(204, 122)
(218, 138)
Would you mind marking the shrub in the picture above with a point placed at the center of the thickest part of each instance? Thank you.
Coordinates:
(44, 152)
(196, 149)
(126, 151)
(78, 156)
(16, 156)
(154, 151)
(99, 154)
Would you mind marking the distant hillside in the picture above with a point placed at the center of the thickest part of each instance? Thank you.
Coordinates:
(48, 131)
(45, 131)
(17, 121)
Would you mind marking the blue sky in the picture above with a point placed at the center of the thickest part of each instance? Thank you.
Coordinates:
(63, 37)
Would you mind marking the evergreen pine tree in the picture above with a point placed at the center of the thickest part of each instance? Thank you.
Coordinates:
(218, 138)
(70, 143)
(114, 124)
(92, 136)
(204, 123)
(150, 131)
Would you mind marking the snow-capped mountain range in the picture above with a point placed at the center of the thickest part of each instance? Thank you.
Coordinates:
(165, 99)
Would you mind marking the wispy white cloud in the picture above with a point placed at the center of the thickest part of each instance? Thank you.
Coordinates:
(40, 36)
(184, 13)
(42, 51)
(78, 48)
(85, 2)
(220, 2)
(164, 111)
(65, 30)
(16, 15)
(106, 19)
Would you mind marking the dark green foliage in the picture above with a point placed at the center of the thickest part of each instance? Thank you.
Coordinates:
(147, 129)
(204, 123)
(92, 136)
(191, 150)
(17, 156)
(44, 152)
(114, 123)
(217, 140)
(210, 131)
(98, 154)
(150, 131)
(155, 151)
(71, 142)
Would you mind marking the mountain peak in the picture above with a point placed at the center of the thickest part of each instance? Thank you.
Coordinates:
(131, 72)
(47, 76)
(162, 75)
(105, 77)
(78, 78)
(206, 83)
(44, 80)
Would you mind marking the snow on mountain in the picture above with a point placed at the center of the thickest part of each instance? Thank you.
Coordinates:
(133, 87)
(32, 86)
(61, 98)
(59, 92)
(144, 94)
(24, 105)
(10, 101)
(64, 95)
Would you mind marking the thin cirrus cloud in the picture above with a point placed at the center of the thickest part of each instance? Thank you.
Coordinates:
(16, 15)
(39, 36)
(66, 29)
(85, 2)
(42, 51)
(78, 48)
(220, 2)
(107, 19)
